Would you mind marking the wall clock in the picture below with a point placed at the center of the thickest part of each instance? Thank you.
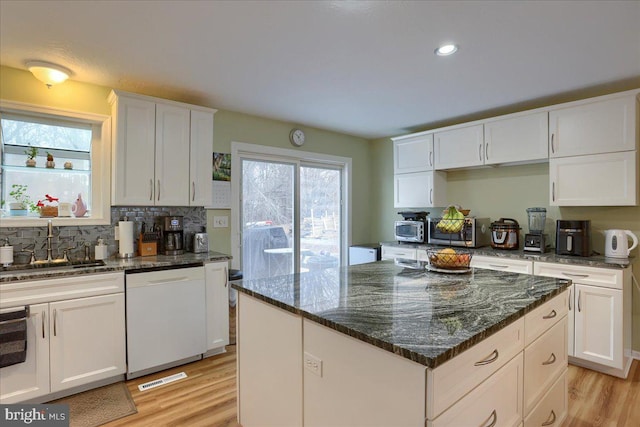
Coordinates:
(296, 136)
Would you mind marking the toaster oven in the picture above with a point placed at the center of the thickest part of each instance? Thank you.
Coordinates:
(475, 233)
(410, 231)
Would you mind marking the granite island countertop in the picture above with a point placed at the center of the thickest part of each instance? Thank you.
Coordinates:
(112, 264)
(426, 317)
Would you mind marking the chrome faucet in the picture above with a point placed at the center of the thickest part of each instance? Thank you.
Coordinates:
(49, 237)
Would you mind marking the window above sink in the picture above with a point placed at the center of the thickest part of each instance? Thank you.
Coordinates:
(80, 144)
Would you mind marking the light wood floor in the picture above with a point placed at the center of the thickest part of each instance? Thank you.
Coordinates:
(208, 397)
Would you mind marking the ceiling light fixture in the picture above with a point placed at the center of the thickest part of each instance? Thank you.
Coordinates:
(48, 73)
(446, 50)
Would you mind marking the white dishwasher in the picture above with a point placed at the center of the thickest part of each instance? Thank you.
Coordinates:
(166, 318)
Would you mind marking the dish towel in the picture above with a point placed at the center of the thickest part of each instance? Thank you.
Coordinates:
(13, 337)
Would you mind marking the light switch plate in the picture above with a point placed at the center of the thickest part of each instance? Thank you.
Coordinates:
(220, 221)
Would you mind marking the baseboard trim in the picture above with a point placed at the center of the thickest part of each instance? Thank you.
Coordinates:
(635, 354)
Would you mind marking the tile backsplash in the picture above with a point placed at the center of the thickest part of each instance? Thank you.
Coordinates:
(74, 238)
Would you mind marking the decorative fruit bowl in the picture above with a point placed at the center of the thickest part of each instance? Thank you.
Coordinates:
(449, 259)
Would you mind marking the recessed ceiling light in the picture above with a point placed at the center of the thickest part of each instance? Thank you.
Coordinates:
(446, 50)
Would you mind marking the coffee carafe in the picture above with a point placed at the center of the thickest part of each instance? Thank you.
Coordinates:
(172, 235)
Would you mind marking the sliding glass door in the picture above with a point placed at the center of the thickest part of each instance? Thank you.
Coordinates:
(291, 216)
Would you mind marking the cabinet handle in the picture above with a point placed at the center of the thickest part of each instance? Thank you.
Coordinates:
(550, 360)
(570, 299)
(480, 152)
(430, 158)
(226, 276)
(44, 313)
(492, 420)
(193, 190)
(150, 189)
(550, 420)
(490, 359)
(431, 196)
(158, 189)
(498, 266)
(552, 147)
(486, 151)
(553, 191)
(55, 322)
(550, 315)
(581, 276)
(579, 308)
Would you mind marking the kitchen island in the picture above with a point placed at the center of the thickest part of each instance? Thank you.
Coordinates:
(375, 344)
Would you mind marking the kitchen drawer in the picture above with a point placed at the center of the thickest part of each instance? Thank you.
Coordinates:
(502, 264)
(497, 401)
(545, 316)
(37, 291)
(605, 277)
(545, 360)
(552, 409)
(449, 382)
(393, 252)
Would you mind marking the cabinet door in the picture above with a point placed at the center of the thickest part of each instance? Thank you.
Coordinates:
(217, 296)
(29, 379)
(517, 139)
(87, 340)
(134, 145)
(413, 154)
(596, 180)
(602, 126)
(598, 325)
(459, 148)
(201, 162)
(419, 190)
(172, 156)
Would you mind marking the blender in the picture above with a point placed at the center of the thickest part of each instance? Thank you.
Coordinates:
(535, 239)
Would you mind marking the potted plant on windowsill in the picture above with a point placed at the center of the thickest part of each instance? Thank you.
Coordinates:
(31, 153)
(22, 203)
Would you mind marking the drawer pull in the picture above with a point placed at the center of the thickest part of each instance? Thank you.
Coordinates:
(550, 360)
(582, 276)
(550, 315)
(43, 314)
(490, 359)
(498, 266)
(55, 322)
(492, 420)
(551, 419)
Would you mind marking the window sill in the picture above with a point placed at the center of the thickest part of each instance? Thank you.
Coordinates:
(27, 221)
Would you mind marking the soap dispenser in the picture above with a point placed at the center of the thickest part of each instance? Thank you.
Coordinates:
(6, 254)
(102, 250)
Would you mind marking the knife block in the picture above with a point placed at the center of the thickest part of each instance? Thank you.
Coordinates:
(147, 248)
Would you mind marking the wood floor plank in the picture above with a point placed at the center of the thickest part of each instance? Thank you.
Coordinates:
(207, 397)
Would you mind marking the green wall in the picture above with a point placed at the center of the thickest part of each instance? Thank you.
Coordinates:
(504, 192)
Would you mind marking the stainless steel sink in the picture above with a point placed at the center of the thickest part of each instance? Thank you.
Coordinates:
(54, 265)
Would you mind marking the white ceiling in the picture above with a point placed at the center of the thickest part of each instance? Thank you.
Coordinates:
(356, 67)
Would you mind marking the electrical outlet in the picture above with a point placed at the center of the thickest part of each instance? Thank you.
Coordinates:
(313, 364)
(220, 221)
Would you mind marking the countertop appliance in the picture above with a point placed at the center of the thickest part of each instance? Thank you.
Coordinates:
(124, 235)
(166, 318)
(172, 235)
(475, 233)
(365, 253)
(200, 243)
(616, 243)
(573, 237)
(505, 234)
(412, 228)
(535, 240)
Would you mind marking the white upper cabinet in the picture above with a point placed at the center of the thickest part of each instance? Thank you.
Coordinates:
(521, 138)
(413, 154)
(172, 156)
(201, 158)
(162, 152)
(602, 125)
(419, 190)
(459, 148)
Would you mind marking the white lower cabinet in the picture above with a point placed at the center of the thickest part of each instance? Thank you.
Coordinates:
(552, 409)
(217, 295)
(502, 264)
(599, 323)
(393, 252)
(71, 342)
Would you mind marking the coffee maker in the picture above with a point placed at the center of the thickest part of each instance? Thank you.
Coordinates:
(172, 235)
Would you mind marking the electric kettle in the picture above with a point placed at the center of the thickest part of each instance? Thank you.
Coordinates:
(616, 243)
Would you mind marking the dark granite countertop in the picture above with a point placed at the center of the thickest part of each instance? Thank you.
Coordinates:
(590, 261)
(112, 264)
(426, 317)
